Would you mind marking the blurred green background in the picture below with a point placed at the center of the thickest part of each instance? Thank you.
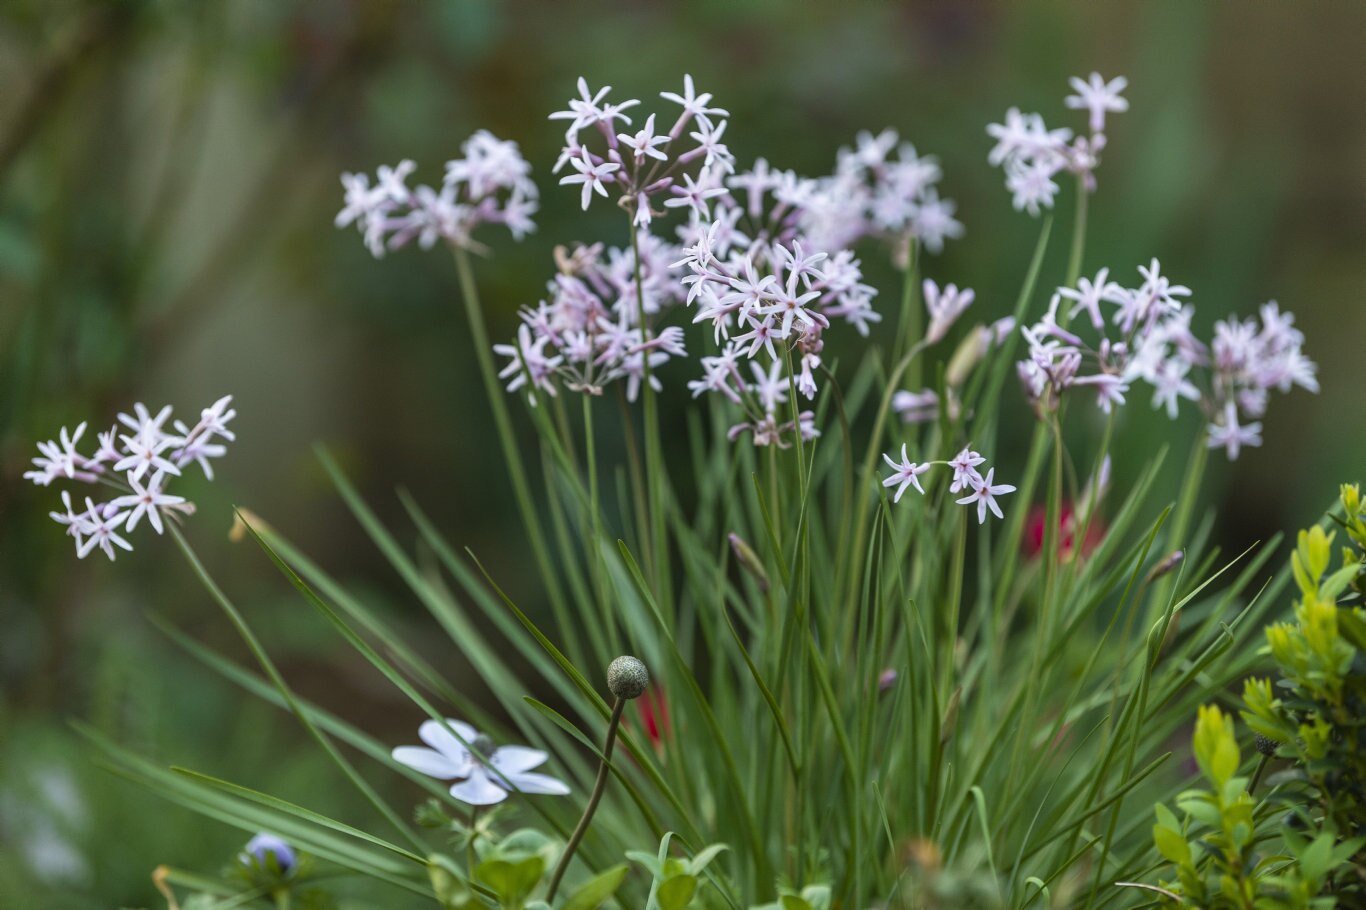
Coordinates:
(168, 178)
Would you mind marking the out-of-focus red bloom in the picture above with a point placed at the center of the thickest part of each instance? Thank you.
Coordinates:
(1033, 538)
(654, 717)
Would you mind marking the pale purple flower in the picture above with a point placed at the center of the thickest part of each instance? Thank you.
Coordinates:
(100, 527)
(590, 175)
(964, 466)
(694, 105)
(1096, 96)
(916, 407)
(484, 774)
(905, 473)
(1229, 435)
(694, 194)
(144, 454)
(984, 494)
(148, 499)
(945, 306)
(645, 142)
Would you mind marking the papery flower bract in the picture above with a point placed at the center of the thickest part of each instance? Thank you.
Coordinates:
(485, 774)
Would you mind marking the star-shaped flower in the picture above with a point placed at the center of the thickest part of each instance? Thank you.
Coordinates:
(485, 774)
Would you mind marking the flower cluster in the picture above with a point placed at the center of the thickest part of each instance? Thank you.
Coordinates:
(982, 492)
(644, 166)
(490, 185)
(1148, 338)
(875, 194)
(484, 774)
(587, 331)
(138, 459)
(1032, 154)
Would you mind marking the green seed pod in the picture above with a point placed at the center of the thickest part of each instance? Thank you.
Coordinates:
(627, 678)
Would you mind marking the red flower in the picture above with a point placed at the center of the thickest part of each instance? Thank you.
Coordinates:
(1033, 539)
(654, 717)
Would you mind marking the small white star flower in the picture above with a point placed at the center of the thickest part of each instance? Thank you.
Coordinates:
(964, 466)
(144, 454)
(984, 494)
(905, 473)
(1097, 96)
(590, 175)
(100, 528)
(147, 500)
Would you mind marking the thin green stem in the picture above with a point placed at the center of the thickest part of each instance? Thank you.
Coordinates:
(857, 542)
(911, 324)
(654, 467)
(512, 455)
(599, 787)
(1078, 236)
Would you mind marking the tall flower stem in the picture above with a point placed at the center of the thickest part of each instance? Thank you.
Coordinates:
(483, 354)
(911, 324)
(654, 462)
(599, 787)
(1078, 236)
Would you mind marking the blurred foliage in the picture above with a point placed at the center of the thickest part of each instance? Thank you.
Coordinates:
(167, 184)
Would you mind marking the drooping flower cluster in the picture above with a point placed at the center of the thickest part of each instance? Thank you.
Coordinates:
(875, 194)
(484, 774)
(587, 332)
(1147, 337)
(138, 459)
(491, 184)
(645, 167)
(1032, 154)
(981, 488)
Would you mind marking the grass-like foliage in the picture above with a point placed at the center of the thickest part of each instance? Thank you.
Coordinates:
(842, 697)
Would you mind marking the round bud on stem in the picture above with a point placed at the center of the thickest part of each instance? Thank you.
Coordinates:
(627, 678)
(1266, 745)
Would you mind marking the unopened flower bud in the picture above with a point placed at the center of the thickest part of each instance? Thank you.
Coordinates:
(967, 356)
(886, 680)
(1265, 744)
(1167, 565)
(749, 560)
(263, 847)
(627, 678)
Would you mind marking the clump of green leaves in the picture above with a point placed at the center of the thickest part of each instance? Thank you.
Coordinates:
(1301, 845)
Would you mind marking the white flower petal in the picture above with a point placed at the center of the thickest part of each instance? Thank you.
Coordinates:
(516, 759)
(478, 790)
(538, 783)
(436, 735)
(429, 762)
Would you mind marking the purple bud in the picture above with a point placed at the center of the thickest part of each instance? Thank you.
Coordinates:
(262, 846)
(886, 680)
